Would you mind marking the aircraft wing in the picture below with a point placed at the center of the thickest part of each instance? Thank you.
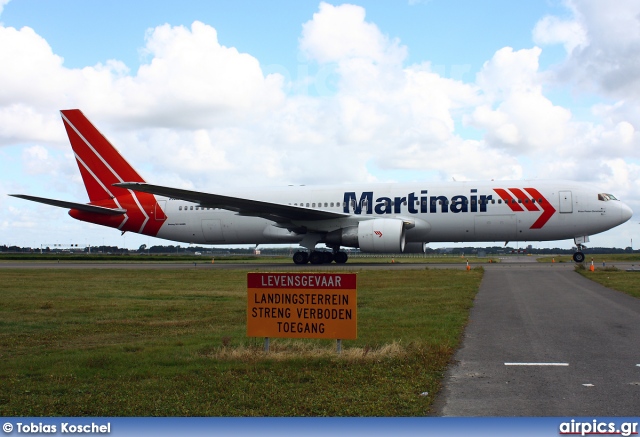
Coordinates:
(73, 205)
(272, 211)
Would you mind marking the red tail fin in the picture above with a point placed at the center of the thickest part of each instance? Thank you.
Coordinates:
(101, 166)
(100, 163)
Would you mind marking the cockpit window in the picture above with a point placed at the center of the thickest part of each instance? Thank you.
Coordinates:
(606, 197)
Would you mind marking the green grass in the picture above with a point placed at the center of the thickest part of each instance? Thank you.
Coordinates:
(611, 277)
(173, 343)
(597, 258)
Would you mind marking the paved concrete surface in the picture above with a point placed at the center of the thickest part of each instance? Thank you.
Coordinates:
(576, 345)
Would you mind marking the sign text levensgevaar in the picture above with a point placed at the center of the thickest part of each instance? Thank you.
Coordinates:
(302, 305)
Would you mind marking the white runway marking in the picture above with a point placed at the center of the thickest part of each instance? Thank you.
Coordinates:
(536, 364)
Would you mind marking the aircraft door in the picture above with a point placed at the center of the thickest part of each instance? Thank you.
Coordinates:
(161, 206)
(566, 201)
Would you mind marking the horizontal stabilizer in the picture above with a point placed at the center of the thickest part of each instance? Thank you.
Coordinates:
(73, 205)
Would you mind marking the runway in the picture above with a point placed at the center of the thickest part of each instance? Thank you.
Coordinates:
(352, 265)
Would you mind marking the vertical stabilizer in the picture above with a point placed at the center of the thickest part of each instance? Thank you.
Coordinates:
(101, 166)
(100, 163)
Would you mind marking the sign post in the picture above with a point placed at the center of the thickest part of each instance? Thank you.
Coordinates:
(302, 305)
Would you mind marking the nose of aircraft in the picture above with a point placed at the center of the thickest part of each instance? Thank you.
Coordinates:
(625, 212)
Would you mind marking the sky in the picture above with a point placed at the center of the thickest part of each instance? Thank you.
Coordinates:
(226, 95)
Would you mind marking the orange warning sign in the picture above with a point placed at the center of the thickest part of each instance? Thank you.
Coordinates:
(302, 305)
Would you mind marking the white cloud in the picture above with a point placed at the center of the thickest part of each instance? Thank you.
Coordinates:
(338, 33)
(554, 30)
(524, 121)
(604, 39)
(201, 112)
(510, 71)
(3, 3)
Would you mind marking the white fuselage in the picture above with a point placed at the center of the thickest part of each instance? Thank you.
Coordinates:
(445, 212)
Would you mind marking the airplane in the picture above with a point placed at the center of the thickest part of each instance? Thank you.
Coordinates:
(376, 218)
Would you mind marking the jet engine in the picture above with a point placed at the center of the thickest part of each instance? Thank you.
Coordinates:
(374, 236)
(415, 248)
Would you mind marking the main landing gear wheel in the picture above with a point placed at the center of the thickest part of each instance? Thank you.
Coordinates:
(320, 257)
(301, 257)
(340, 257)
(327, 257)
(316, 257)
(578, 257)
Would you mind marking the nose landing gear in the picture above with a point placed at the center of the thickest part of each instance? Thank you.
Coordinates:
(579, 256)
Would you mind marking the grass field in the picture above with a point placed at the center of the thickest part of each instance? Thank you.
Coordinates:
(627, 282)
(597, 258)
(172, 343)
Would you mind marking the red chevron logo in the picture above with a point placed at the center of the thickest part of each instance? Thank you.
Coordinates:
(378, 233)
(535, 201)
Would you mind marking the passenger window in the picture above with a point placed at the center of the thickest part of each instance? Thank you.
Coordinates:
(499, 201)
(191, 208)
(179, 208)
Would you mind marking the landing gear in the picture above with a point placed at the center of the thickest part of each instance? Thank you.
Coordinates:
(320, 257)
(340, 257)
(316, 257)
(579, 256)
(301, 257)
